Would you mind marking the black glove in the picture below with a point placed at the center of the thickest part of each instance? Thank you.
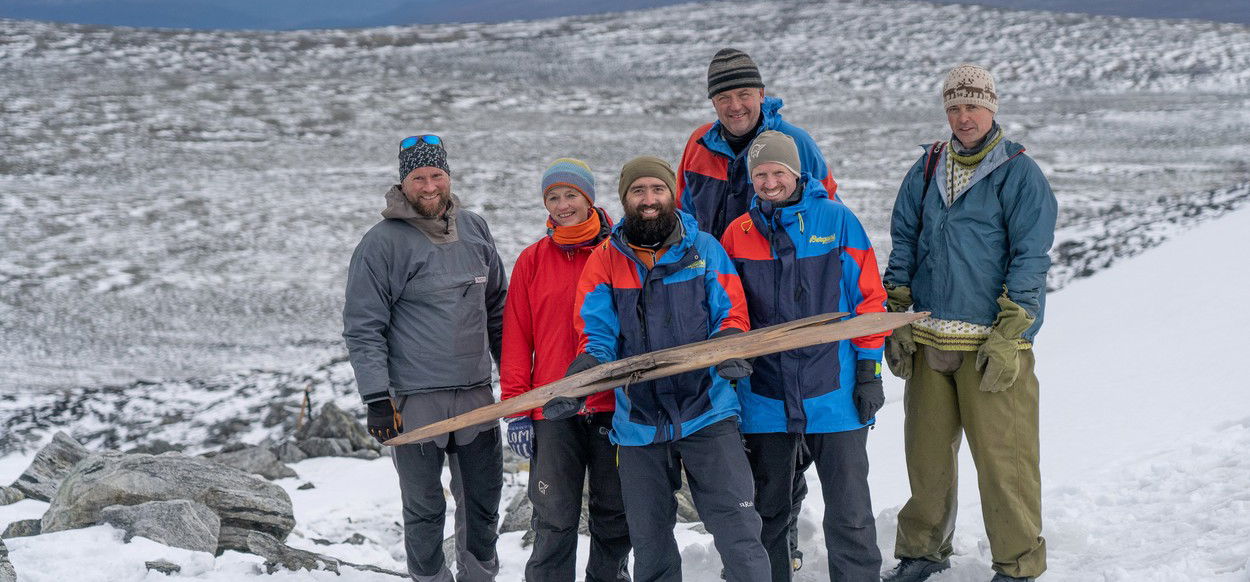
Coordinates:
(384, 423)
(868, 395)
(733, 368)
(562, 407)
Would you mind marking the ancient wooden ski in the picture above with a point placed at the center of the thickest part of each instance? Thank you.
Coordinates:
(791, 335)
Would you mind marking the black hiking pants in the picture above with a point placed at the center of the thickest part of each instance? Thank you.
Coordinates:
(565, 453)
(841, 461)
(476, 485)
(720, 485)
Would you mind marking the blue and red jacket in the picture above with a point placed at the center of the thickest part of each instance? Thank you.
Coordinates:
(715, 184)
(625, 309)
(796, 261)
(539, 341)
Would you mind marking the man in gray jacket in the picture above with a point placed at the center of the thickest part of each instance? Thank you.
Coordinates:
(422, 320)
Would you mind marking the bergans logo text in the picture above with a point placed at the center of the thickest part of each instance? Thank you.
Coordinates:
(823, 239)
(699, 264)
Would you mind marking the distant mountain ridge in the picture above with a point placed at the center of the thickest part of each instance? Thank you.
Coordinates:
(306, 14)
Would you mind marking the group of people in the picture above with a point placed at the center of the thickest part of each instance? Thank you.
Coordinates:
(747, 232)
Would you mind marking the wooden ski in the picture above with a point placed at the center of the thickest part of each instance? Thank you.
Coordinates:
(800, 333)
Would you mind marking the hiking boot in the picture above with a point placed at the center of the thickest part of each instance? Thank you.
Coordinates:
(915, 570)
(1001, 577)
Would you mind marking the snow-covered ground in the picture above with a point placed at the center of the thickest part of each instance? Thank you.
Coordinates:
(1145, 428)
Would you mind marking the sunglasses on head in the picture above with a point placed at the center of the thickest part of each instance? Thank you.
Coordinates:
(413, 140)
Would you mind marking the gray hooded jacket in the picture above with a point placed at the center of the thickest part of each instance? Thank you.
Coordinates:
(424, 304)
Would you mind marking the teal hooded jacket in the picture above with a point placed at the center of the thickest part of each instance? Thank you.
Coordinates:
(997, 233)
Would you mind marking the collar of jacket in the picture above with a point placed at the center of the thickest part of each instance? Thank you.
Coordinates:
(770, 112)
(1001, 154)
(441, 229)
(686, 223)
(813, 191)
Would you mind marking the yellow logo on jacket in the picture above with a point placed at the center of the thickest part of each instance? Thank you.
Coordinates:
(823, 239)
(699, 264)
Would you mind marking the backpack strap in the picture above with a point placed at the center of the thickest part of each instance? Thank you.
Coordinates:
(931, 161)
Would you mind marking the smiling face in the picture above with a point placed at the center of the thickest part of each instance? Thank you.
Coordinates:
(567, 206)
(969, 123)
(429, 190)
(648, 198)
(773, 182)
(738, 109)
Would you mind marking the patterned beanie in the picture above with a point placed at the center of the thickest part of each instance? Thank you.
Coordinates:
(774, 146)
(970, 85)
(732, 69)
(646, 167)
(572, 173)
(422, 155)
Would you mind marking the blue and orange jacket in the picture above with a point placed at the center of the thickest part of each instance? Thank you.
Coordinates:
(539, 341)
(801, 260)
(714, 182)
(624, 309)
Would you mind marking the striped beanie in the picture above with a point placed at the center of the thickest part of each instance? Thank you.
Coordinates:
(732, 69)
(970, 85)
(572, 173)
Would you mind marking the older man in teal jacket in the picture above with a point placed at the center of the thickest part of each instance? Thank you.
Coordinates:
(972, 226)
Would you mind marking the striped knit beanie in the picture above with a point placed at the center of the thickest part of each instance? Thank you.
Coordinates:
(970, 85)
(646, 167)
(732, 69)
(572, 173)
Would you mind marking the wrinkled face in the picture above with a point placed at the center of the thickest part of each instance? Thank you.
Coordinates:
(429, 190)
(738, 109)
(969, 123)
(648, 199)
(773, 182)
(566, 205)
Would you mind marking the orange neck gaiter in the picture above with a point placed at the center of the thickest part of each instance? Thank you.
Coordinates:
(578, 234)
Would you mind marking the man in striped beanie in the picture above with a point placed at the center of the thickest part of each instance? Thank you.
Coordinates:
(712, 179)
(972, 227)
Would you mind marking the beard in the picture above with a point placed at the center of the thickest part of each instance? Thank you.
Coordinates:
(649, 232)
(435, 208)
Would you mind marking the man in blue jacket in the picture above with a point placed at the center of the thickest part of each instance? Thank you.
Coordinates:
(659, 282)
(712, 180)
(423, 318)
(972, 226)
(800, 254)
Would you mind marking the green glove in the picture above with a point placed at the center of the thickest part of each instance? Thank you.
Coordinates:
(998, 359)
(899, 346)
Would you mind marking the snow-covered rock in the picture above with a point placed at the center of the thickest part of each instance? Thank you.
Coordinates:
(179, 523)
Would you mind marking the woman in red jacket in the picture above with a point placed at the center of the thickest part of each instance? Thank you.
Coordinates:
(538, 345)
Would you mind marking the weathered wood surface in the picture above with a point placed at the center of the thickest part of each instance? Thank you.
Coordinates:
(800, 333)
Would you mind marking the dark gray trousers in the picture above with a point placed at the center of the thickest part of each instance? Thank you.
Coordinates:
(720, 485)
(476, 485)
(841, 461)
(565, 453)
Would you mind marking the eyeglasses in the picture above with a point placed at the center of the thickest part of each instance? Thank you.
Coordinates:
(413, 140)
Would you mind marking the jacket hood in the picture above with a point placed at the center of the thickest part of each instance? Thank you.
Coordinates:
(689, 230)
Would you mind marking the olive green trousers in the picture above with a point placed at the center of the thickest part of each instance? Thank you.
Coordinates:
(942, 402)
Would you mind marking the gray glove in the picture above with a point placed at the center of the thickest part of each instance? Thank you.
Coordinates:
(899, 345)
(562, 407)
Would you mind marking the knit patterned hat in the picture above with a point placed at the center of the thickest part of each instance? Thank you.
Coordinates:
(422, 155)
(572, 173)
(646, 167)
(732, 69)
(970, 85)
(774, 146)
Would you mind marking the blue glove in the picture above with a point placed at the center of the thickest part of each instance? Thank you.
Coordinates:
(521, 436)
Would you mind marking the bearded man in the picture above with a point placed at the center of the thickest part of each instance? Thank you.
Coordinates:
(423, 318)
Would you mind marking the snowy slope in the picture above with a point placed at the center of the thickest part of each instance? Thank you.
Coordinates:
(1145, 425)
(179, 204)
